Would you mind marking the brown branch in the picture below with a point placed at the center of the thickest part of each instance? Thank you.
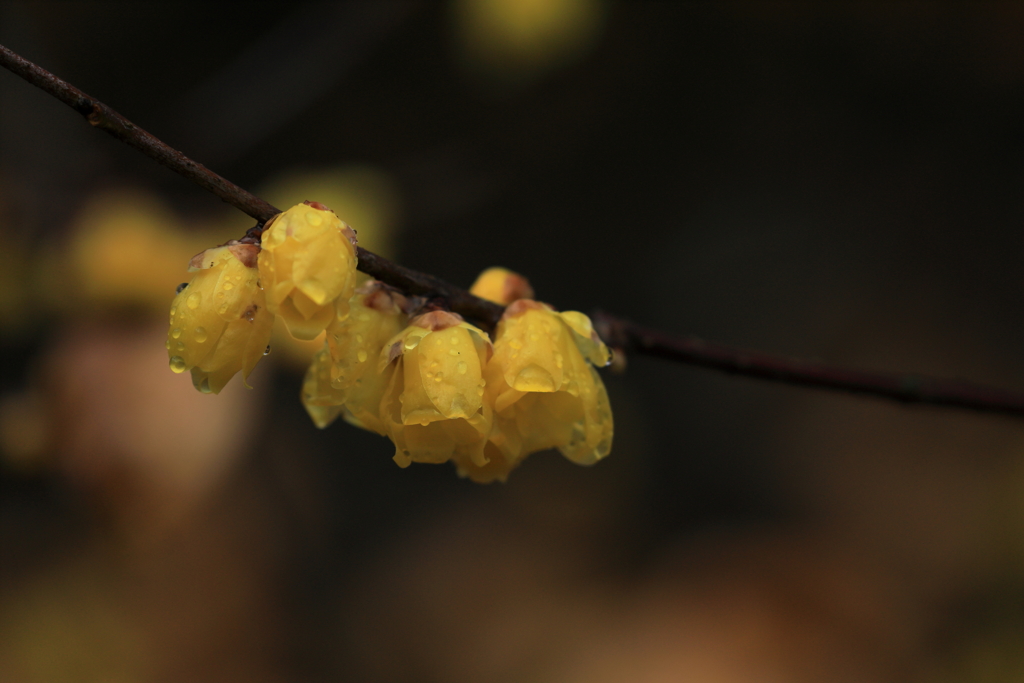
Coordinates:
(617, 332)
(103, 117)
(414, 282)
(906, 388)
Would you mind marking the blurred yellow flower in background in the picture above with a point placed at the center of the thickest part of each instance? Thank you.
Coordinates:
(126, 248)
(516, 40)
(363, 196)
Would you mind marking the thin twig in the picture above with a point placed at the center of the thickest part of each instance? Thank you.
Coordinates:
(414, 282)
(105, 118)
(617, 332)
(906, 388)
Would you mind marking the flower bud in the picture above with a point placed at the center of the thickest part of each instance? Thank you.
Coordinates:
(501, 286)
(544, 392)
(219, 321)
(433, 408)
(308, 268)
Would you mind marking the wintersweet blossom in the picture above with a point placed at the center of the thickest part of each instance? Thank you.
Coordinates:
(544, 392)
(219, 321)
(438, 387)
(344, 377)
(433, 408)
(308, 268)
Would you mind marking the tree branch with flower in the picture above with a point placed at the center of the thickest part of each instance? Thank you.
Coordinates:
(481, 377)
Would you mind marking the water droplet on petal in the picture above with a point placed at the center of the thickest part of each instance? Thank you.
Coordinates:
(180, 346)
(359, 339)
(228, 286)
(178, 364)
(201, 335)
(461, 367)
(176, 332)
(361, 355)
(453, 352)
(167, 344)
(193, 300)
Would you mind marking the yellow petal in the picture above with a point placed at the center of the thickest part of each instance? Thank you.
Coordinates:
(450, 372)
(530, 353)
(589, 343)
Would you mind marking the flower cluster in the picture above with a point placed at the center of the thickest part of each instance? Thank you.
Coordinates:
(221, 320)
(440, 388)
(444, 390)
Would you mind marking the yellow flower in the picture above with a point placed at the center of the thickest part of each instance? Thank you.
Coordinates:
(501, 286)
(308, 268)
(219, 321)
(544, 392)
(433, 409)
(323, 402)
(344, 376)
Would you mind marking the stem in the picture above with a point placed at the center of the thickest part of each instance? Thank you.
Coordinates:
(617, 332)
(103, 117)
(414, 282)
(906, 388)
(108, 120)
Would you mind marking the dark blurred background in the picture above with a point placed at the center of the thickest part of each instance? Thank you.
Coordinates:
(835, 181)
